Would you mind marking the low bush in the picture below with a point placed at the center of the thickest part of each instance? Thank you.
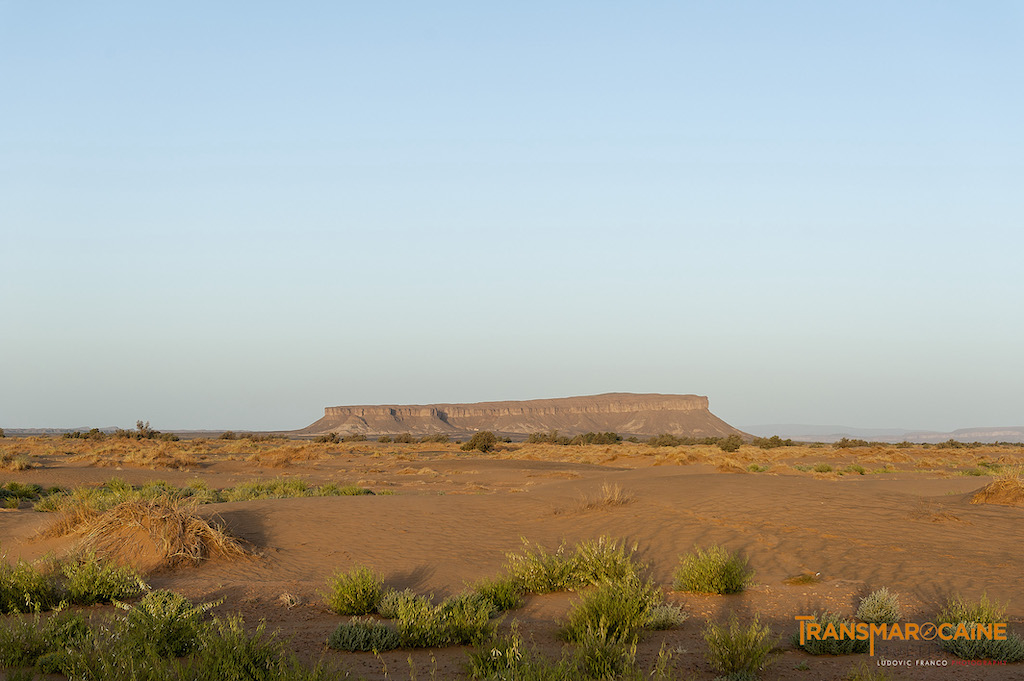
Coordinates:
(830, 641)
(357, 592)
(713, 570)
(89, 580)
(539, 571)
(665, 616)
(23, 588)
(506, 593)
(959, 611)
(392, 602)
(614, 611)
(737, 650)
(164, 623)
(459, 620)
(822, 468)
(732, 443)
(880, 607)
(364, 635)
(483, 440)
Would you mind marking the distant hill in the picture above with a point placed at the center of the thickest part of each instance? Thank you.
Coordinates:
(813, 433)
(629, 414)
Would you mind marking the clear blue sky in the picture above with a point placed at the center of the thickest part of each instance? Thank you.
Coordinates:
(232, 214)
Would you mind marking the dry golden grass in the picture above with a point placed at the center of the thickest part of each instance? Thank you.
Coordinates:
(284, 456)
(15, 462)
(176, 533)
(141, 453)
(1006, 490)
(609, 496)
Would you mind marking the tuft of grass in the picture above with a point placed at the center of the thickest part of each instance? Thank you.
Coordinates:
(713, 570)
(855, 468)
(609, 496)
(880, 607)
(89, 580)
(179, 535)
(831, 645)
(357, 592)
(737, 650)
(822, 468)
(864, 672)
(757, 468)
(15, 462)
(364, 635)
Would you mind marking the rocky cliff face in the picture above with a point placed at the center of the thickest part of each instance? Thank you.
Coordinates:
(642, 415)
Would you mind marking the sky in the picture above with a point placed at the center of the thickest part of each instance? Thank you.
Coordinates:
(233, 214)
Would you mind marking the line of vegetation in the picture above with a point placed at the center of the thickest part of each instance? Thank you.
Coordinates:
(84, 580)
(589, 438)
(116, 491)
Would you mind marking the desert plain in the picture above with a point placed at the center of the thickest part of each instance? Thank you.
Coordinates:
(820, 526)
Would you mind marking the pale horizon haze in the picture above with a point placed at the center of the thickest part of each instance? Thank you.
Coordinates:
(231, 215)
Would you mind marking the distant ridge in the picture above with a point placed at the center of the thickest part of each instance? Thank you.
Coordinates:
(812, 433)
(629, 414)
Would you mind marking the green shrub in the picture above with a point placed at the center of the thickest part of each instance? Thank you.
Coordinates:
(164, 623)
(739, 651)
(89, 581)
(832, 646)
(392, 602)
(506, 593)
(357, 592)
(757, 468)
(822, 468)
(222, 651)
(855, 468)
(615, 610)
(364, 635)
(483, 440)
(541, 572)
(847, 443)
(960, 611)
(456, 621)
(507, 659)
(593, 561)
(665, 616)
(715, 570)
(880, 607)
(602, 655)
(24, 642)
(23, 588)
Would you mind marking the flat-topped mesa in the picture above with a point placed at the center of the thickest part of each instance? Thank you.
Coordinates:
(624, 413)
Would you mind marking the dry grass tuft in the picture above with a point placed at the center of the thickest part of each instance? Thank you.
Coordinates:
(13, 462)
(1006, 490)
(149, 533)
(139, 453)
(608, 497)
(286, 456)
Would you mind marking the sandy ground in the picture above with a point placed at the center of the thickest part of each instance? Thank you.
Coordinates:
(453, 517)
